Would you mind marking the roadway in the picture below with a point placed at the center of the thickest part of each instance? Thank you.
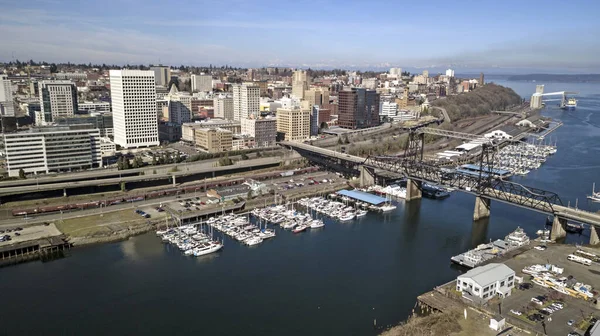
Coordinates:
(184, 170)
(446, 116)
(323, 151)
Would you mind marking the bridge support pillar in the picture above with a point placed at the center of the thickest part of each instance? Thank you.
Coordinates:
(594, 239)
(413, 190)
(64, 192)
(367, 177)
(558, 228)
(482, 208)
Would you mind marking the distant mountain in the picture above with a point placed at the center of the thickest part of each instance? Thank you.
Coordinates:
(590, 78)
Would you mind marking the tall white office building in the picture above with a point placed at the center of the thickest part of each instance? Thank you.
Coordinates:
(449, 73)
(7, 108)
(246, 101)
(202, 83)
(58, 98)
(135, 121)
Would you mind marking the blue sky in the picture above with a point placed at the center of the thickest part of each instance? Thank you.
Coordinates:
(509, 36)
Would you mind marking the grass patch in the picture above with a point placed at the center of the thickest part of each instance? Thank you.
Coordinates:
(101, 225)
(433, 324)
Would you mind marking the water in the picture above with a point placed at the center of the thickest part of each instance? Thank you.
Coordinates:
(333, 281)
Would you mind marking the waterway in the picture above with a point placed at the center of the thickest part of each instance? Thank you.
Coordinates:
(333, 281)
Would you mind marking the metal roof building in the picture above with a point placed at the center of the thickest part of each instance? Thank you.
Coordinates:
(362, 196)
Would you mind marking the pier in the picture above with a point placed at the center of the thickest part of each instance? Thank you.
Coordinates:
(36, 242)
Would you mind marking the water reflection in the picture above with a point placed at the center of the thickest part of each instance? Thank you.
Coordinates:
(479, 231)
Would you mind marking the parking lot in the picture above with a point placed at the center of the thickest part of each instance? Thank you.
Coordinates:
(574, 309)
(18, 234)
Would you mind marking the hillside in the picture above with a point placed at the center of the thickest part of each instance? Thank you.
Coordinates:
(480, 101)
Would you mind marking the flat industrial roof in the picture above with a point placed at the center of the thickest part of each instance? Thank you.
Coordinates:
(468, 146)
(362, 196)
(470, 172)
(492, 170)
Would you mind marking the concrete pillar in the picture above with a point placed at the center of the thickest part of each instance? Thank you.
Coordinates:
(482, 208)
(413, 190)
(594, 239)
(367, 177)
(558, 228)
(174, 180)
(64, 192)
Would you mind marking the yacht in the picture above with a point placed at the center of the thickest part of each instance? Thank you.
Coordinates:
(346, 216)
(300, 228)
(361, 213)
(253, 241)
(315, 224)
(517, 238)
(387, 207)
(207, 249)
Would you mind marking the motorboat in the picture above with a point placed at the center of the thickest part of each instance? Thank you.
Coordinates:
(300, 228)
(207, 249)
(387, 207)
(315, 224)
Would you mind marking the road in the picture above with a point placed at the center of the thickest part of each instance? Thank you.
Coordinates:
(446, 116)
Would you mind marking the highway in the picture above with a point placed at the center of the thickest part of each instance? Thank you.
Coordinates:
(323, 151)
(184, 170)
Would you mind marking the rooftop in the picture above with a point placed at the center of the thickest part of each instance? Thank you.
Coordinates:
(362, 196)
(485, 275)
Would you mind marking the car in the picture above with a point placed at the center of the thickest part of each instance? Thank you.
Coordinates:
(570, 322)
(138, 211)
(19, 229)
(536, 301)
(17, 234)
(557, 306)
(545, 312)
(525, 286)
(540, 247)
(516, 312)
(573, 333)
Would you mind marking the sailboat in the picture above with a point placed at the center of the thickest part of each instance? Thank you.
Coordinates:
(388, 206)
(595, 196)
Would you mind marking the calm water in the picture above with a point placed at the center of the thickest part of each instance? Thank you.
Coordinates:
(333, 281)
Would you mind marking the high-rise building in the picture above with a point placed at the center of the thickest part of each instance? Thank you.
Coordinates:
(317, 96)
(314, 120)
(395, 72)
(425, 73)
(300, 82)
(388, 109)
(481, 79)
(294, 123)
(57, 99)
(263, 130)
(162, 75)
(201, 83)
(246, 101)
(214, 140)
(133, 94)
(179, 107)
(223, 108)
(52, 149)
(450, 73)
(7, 108)
(358, 108)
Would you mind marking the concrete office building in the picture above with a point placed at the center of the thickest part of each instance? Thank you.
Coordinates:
(57, 99)
(214, 140)
(294, 123)
(314, 120)
(94, 106)
(300, 82)
(101, 121)
(52, 149)
(223, 108)
(188, 130)
(358, 108)
(388, 109)
(179, 106)
(162, 75)
(449, 73)
(133, 94)
(7, 108)
(246, 101)
(263, 130)
(395, 72)
(201, 83)
(317, 96)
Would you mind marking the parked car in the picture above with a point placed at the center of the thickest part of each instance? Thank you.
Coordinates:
(540, 247)
(570, 322)
(536, 301)
(516, 312)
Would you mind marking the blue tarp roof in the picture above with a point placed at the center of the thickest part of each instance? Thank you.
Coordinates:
(362, 196)
(486, 169)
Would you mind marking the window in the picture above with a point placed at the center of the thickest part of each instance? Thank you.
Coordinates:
(485, 295)
(502, 284)
(510, 278)
(510, 284)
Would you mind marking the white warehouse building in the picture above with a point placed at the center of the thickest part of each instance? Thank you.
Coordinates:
(483, 283)
(53, 149)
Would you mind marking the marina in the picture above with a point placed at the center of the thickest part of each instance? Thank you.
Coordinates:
(486, 252)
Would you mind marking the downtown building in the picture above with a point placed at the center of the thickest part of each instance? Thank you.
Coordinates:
(214, 140)
(7, 108)
(293, 123)
(53, 149)
(223, 107)
(300, 82)
(201, 83)
(358, 108)
(246, 101)
(57, 99)
(264, 131)
(162, 75)
(133, 94)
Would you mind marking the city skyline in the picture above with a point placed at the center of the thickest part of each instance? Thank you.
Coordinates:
(331, 35)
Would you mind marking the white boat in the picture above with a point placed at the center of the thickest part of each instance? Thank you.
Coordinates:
(315, 224)
(595, 196)
(300, 228)
(387, 207)
(361, 213)
(207, 249)
(253, 241)
(347, 216)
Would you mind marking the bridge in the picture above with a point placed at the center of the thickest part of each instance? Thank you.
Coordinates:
(484, 185)
(537, 99)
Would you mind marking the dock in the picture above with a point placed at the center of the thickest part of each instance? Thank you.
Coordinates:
(43, 242)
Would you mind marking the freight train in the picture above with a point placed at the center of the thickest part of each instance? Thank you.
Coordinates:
(151, 195)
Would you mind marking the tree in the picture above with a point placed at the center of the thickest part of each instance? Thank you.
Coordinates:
(244, 156)
(120, 163)
(340, 141)
(154, 162)
(22, 174)
(126, 164)
(135, 163)
(258, 154)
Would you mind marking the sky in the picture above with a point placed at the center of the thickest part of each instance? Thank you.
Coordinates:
(497, 36)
